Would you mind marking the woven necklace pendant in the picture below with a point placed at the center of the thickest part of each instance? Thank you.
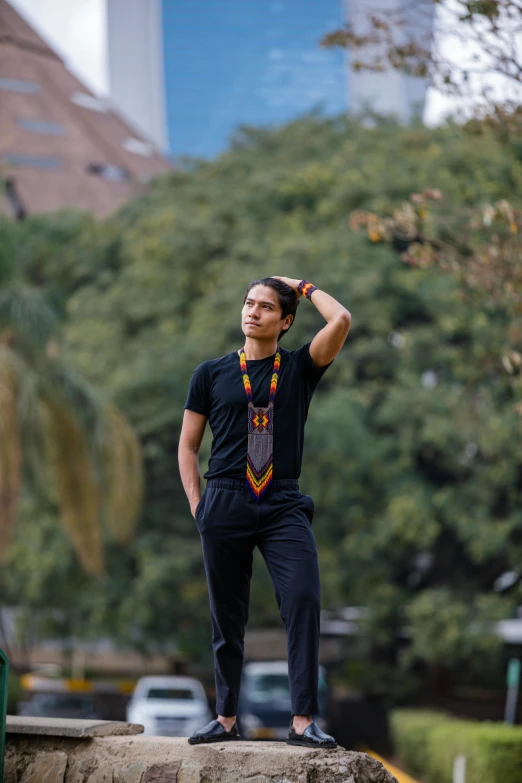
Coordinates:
(260, 452)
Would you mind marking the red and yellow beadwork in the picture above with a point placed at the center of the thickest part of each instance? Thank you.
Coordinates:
(258, 420)
(306, 288)
(260, 455)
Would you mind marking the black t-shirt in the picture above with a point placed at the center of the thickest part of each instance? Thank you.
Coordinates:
(216, 390)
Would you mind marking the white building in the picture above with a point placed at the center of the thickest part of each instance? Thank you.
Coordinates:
(135, 62)
(389, 92)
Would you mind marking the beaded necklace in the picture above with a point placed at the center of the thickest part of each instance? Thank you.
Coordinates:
(260, 454)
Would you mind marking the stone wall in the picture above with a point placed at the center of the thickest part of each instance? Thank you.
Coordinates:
(31, 758)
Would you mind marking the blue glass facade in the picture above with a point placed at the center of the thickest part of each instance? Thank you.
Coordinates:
(234, 62)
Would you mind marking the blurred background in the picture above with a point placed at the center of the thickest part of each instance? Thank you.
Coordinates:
(157, 155)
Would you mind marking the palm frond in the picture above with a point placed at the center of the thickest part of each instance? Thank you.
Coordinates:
(10, 448)
(29, 411)
(77, 487)
(64, 386)
(111, 444)
(66, 433)
(24, 312)
(123, 476)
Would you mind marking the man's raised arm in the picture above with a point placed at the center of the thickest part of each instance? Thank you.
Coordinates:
(330, 339)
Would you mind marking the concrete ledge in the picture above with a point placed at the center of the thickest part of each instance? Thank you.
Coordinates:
(65, 727)
(39, 759)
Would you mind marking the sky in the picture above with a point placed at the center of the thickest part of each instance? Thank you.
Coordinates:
(77, 30)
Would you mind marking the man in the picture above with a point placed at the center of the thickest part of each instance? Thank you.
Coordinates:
(256, 400)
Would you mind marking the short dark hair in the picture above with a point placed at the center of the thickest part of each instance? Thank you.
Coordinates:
(286, 295)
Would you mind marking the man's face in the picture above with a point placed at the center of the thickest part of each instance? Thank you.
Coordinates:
(261, 316)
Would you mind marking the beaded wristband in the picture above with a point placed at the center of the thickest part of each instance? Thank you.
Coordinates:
(306, 288)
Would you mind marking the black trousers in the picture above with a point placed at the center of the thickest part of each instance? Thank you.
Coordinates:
(231, 524)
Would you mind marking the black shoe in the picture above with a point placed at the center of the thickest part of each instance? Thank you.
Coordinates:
(312, 737)
(214, 732)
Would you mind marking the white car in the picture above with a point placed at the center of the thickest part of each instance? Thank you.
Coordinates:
(264, 703)
(169, 706)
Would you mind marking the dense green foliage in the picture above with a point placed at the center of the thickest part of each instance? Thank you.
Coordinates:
(72, 445)
(428, 742)
(411, 730)
(412, 450)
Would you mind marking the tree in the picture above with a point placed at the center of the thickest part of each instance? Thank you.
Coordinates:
(412, 449)
(463, 44)
(481, 246)
(74, 447)
(481, 242)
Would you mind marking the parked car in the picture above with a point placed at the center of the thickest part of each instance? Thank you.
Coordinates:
(60, 705)
(170, 706)
(264, 703)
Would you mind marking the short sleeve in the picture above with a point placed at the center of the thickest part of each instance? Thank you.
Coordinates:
(310, 374)
(198, 396)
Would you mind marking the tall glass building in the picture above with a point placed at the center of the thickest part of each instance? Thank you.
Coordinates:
(230, 62)
(189, 72)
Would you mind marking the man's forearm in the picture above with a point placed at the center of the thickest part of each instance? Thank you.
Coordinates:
(330, 308)
(190, 477)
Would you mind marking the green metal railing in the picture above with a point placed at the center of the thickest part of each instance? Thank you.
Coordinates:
(4, 672)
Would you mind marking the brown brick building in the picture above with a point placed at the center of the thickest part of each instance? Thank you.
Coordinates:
(60, 146)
